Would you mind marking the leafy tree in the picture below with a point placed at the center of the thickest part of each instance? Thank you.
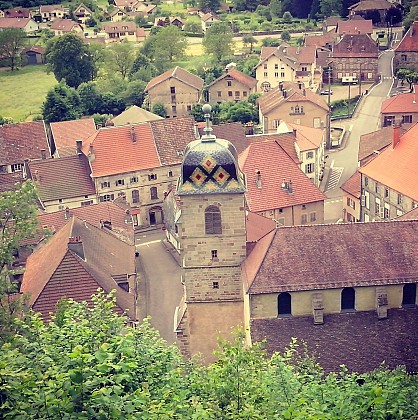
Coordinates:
(285, 36)
(209, 5)
(120, 58)
(287, 17)
(70, 60)
(374, 16)
(393, 15)
(193, 26)
(170, 44)
(300, 41)
(62, 103)
(112, 104)
(411, 17)
(11, 43)
(197, 113)
(90, 98)
(218, 41)
(141, 21)
(159, 109)
(330, 8)
(270, 42)
(247, 66)
(276, 8)
(134, 93)
(264, 12)
(410, 75)
(249, 40)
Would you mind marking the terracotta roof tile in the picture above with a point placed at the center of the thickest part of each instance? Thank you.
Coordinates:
(54, 271)
(274, 97)
(403, 103)
(239, 77)
(401, 160)
(285, 140)
(177, 73)
(360, 45)
(17, 13)
(307, 138)
(258, 226)
(124, 149)
(358, 340)
(64, 25)
(22, 141)
(115, 27)
(8, 181)
(409, 42)
(359, 254)
(65, 133)
(352, 27)
(267, 52)
(66, 177)
(365, 5)
(375, 141)
(20, 23)
(353, 185)
(275, 165)
(291, 55)
(321, 40)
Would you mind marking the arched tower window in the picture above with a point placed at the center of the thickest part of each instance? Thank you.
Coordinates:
(348, 299)
(409, 294)
(213, 221)
(284, 304)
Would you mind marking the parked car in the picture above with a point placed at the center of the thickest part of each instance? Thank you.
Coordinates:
(326, 92)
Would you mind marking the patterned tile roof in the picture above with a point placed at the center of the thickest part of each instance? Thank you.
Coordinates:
(55, 271)
(358, 340)
(274, 97)
(275, 165)
(403, 174)
(333, 256)
(22, 141)
(177, 73)
(409, 42)
(134, 115)
(360, 45)
(65, 133)
(352, 27)
(403, 103)
(353, 185)
(64, 25)
(239, 76)
(66, 177)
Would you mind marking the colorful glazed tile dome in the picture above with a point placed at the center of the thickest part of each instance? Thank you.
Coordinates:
(210, 165)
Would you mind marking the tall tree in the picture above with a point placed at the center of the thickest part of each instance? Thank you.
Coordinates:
(276, 8)
(62, 103)
(249, 40)
(70, 60)
(120, 58)
(170, 44)
(218, 41)
(331, 7)
(209, 5)
(11, 43)
(90, 98)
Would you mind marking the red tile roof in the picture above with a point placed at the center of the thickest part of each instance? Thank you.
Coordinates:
(375, 141)
(275, 165)
(123, 149)
(258, 226)
(307, 138)
(50, 8)
(274, 97)
(116, 27)
(17, 13)
(321, 40)
(397, 168)
(8, 181)
(67, 177)
(22, 141)
(20, 23)
(403, 103)
(365, 5)
(353, 185)
(333, 256)
(239, 76)
(177, 73)
(291, 55)
(361, 45)
(65, 134)
(55, 271)
(351, 27)
(64, 25)
(358, 340)
(409, 42)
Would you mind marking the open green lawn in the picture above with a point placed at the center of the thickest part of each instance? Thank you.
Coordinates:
(22, 92)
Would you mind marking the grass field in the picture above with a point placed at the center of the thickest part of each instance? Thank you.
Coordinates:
(22, 92)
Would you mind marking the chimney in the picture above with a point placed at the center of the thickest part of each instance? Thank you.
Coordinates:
(289, 187)
(304, 92)
(284, 93)
(43, 154)
(300, 85)
(281, 86)
(92, 157)
(294, 132)
(258, 178)
(67, 213)
(133, 135)
(79, 146)
(76, 245)
(396, 135)
(36, 176)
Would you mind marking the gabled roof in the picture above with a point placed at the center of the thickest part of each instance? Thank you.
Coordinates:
(275, 98)
(365, 5)
(358, 340)
(55, 271)
(409, 42)
(360, 45)
(124, 3)
(257, 226)
(205, 17)
(50, 8)
(404, 103)
(411, 215)
(80, 6)
(125, 149)
(292, 56)
(116, 11)
(17, 13)
(354, 27)
(22, 141)
(332, 20)
(177, 73)
(116, 27)
(322, 40)
(134, 115)
(65, 134)
(34, 48)
(64, 25)
(275, 165)
(397, 167)
(307, 138)
(375, 141)
(20, 23)
(67, 177)
(359, 254)
(353, 185)
(237, 75)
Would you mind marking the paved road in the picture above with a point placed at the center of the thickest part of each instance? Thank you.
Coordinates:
(160, 289)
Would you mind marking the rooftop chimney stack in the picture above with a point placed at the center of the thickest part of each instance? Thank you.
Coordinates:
(43, 154)
(258, 178)
(79, 146)
(76, 245)
(133, 135)
(396, 135)
(67, 213)
(289, 187)
(92, 157)
(281, 86)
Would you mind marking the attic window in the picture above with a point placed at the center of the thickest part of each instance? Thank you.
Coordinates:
(284, 304)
